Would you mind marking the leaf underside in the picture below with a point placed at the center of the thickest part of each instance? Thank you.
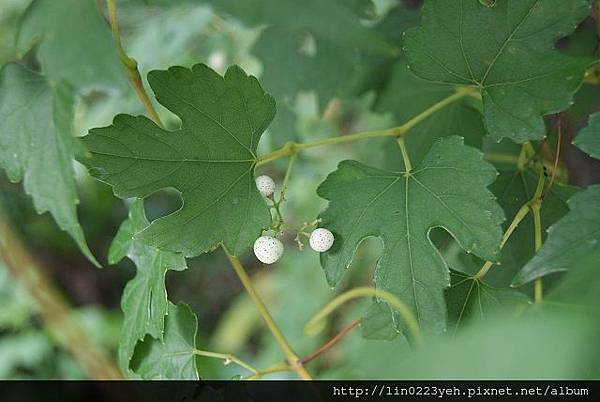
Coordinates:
(508, 52)
(144, 301)
(448, 190)
(173, 357)
(73, 43)
(37, 145)
(210, 160)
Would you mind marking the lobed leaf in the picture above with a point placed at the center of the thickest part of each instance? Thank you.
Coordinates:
(73, 42)
(173, 357)
(448, 190)
(210, 160)
(37, 145)
(507, 51)
(144, 301)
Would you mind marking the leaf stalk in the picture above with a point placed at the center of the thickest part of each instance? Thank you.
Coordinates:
(227, 358)
(292, 148)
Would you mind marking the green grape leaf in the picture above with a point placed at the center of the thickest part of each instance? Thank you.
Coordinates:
(507, 51)
(588, 139)
(514, 188)
(74, 43)
(144, 302)
(470, 300)
(448, 190)
(575, 235)
(37, 145)
(210, 160)
(172, 358)
(405, 96)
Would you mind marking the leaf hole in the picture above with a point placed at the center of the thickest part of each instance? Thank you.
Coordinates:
(162, 203)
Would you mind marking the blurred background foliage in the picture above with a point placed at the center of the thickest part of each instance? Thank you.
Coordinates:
(159, 34)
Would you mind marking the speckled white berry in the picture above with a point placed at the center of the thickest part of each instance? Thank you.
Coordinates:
(321, 240)
(268, 249)
(265, 185)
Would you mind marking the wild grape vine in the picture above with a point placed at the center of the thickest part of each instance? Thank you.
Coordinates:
(471, 85)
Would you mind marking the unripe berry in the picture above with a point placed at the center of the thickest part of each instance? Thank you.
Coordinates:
(265, 185)
(321, 240)
(268, 249)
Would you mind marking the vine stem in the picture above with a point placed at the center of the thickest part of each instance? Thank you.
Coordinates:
(520, 215)
(276, 368)
(53, 308)
(226, 357)
(313, 326)
(331, 343)
(292, 148)
(290, 355)
(534, 205)
(130, 64)
(536, 208)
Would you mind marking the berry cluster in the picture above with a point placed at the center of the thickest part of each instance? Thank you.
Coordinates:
(269, 249)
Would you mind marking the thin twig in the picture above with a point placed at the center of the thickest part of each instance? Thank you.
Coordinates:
(330, 343)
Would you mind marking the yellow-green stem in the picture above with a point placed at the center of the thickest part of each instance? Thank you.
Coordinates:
(292, 147)
(404, 151)
(521, 214)
(536, 210)
(313, 326)
(226, 357)
(537, 229)
(290, 355)
(276, 368)
(131, 66)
